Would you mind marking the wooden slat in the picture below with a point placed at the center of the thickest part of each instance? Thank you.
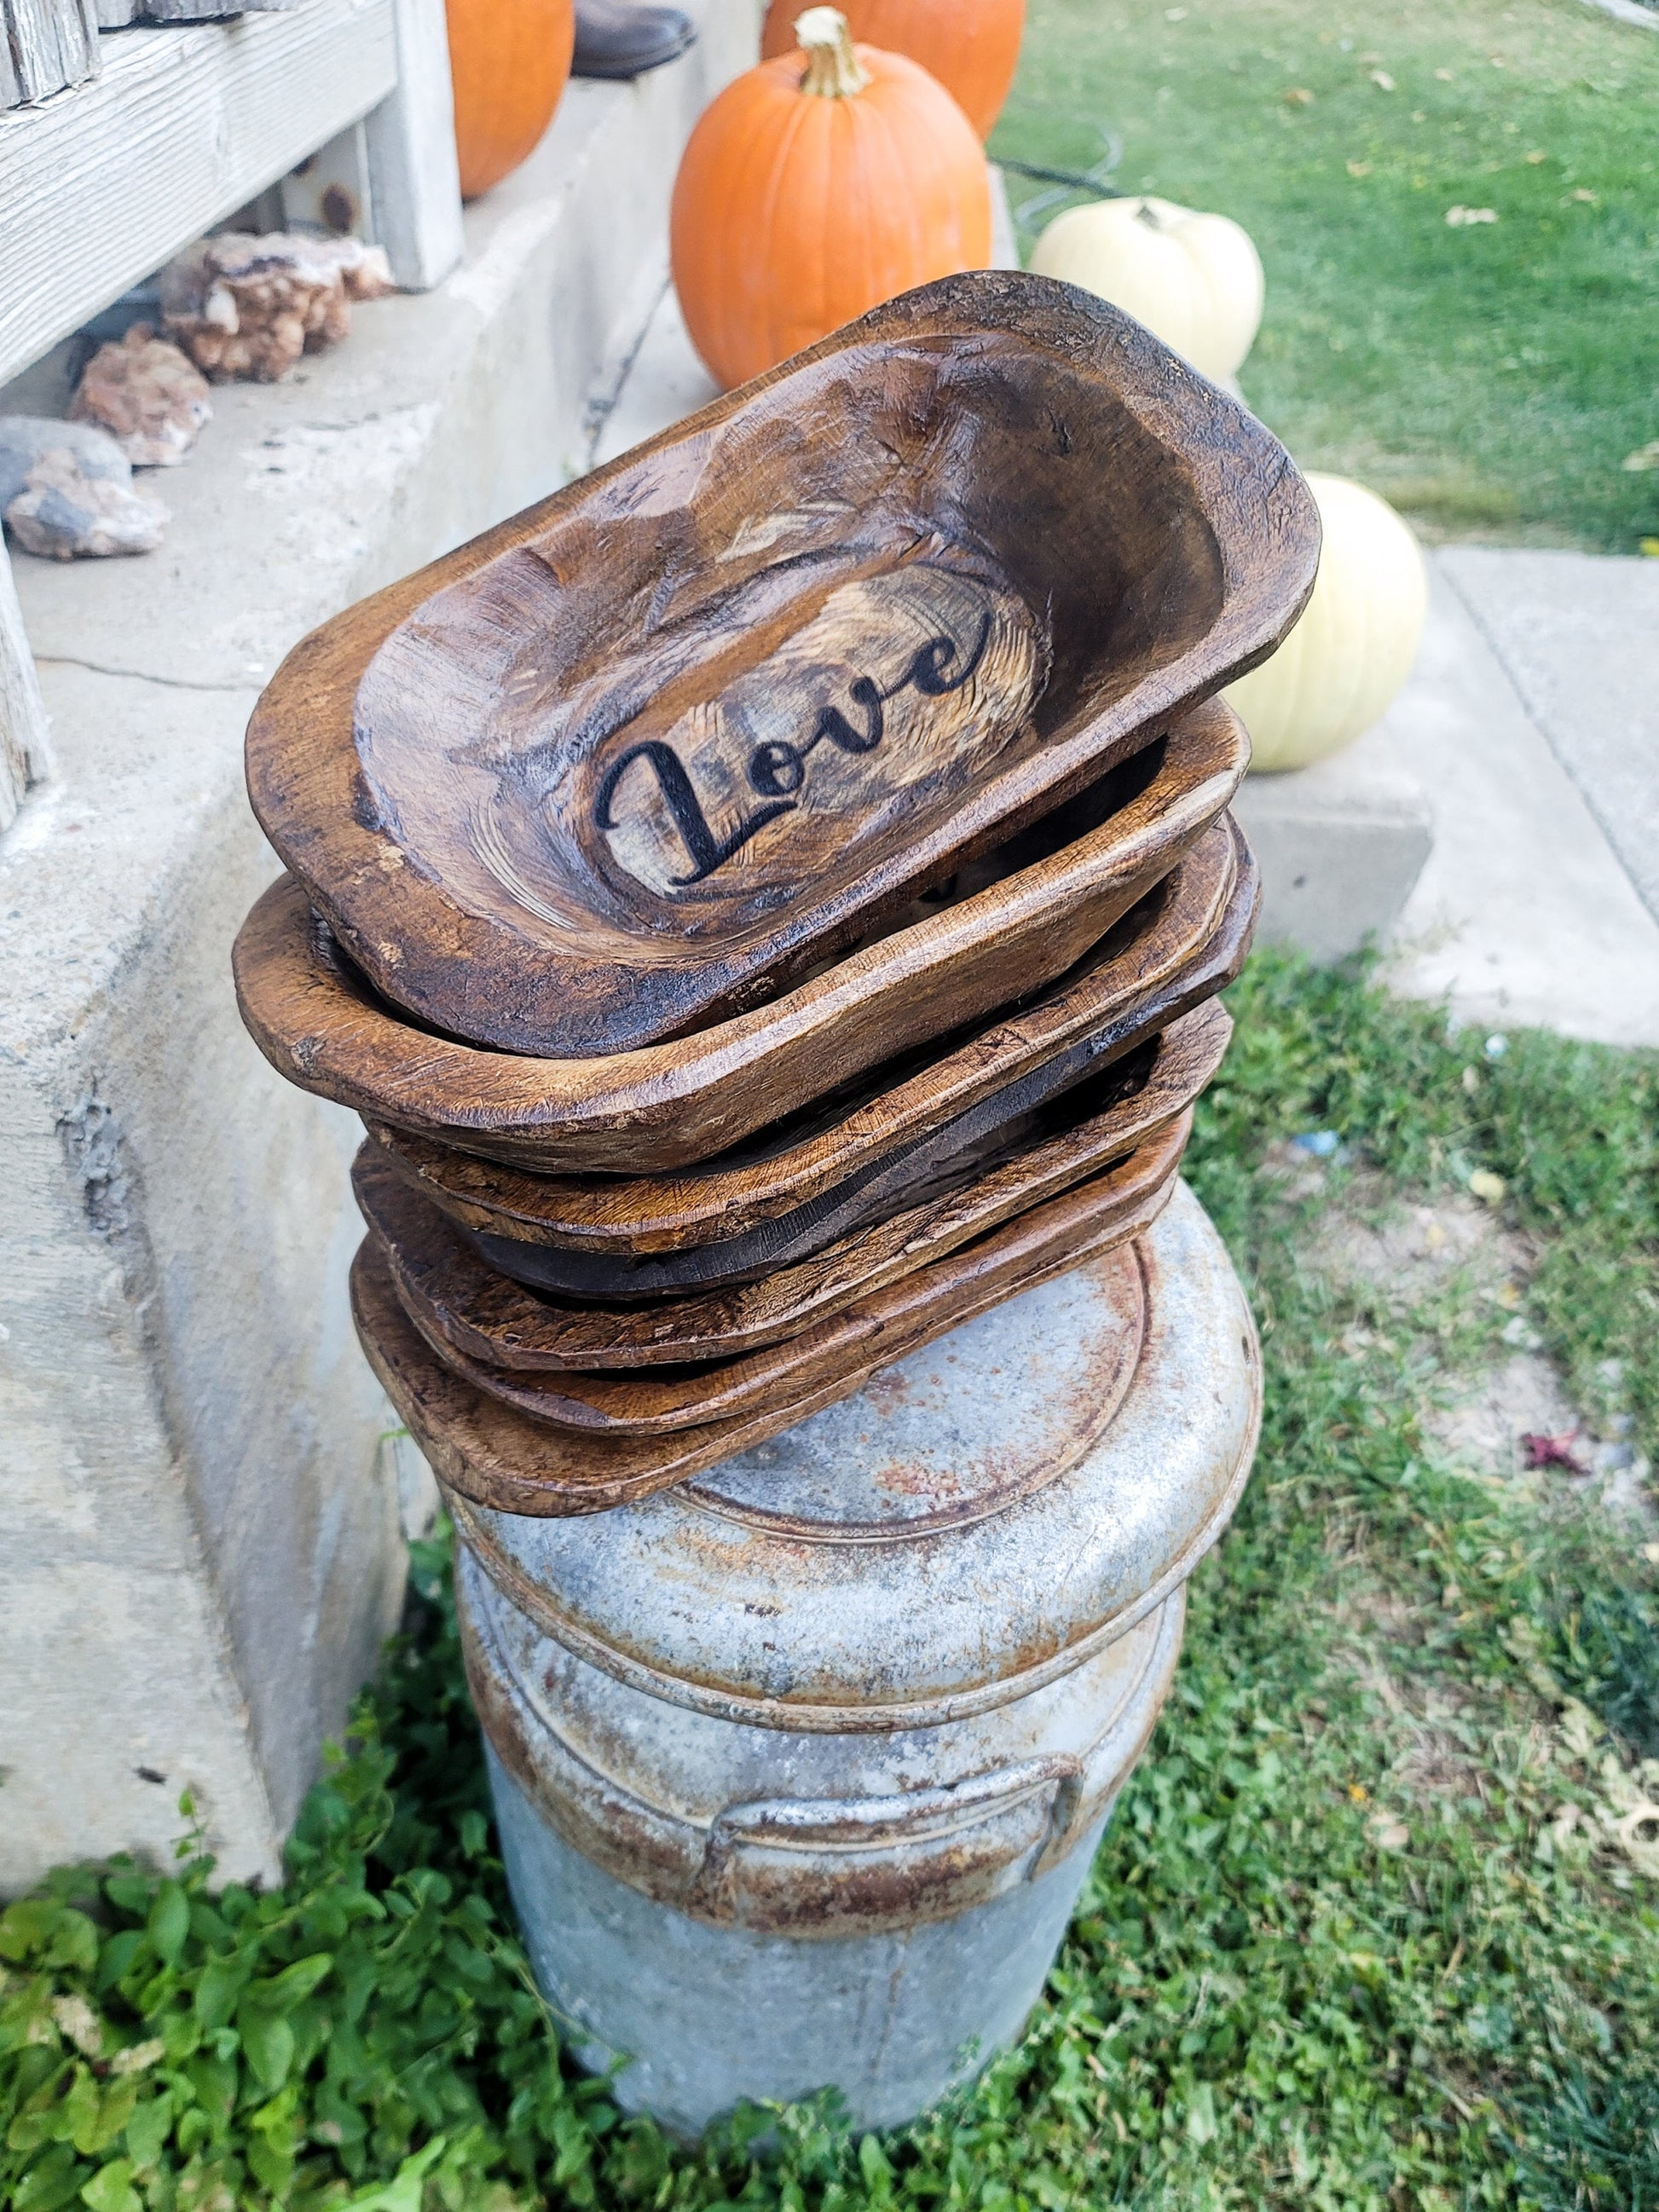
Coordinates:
(415, 183)
(46, 44)
(25, 754)
(102, 185)
(204, 11)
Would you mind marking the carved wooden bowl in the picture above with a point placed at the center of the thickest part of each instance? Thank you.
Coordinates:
(869, 1331)
(632, 761)
(465, 1308)
(1181, 943)
(499, 1456)
(669, 1105)
(1066, 1092)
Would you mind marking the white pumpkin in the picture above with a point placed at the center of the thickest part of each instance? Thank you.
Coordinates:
(1194, 280)
(1354, 643)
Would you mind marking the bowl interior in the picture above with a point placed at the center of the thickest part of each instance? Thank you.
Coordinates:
(779, 652)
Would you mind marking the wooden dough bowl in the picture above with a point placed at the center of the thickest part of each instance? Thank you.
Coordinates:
(466, 1308)
(670, 1105)
(633, 761)
(1185, 941)
(497, 1455)
(1157, 1080)
(659, 1401)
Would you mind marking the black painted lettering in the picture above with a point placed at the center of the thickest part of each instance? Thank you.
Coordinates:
(834, 725)
(707, 852)
(777, 769)
(926, 670)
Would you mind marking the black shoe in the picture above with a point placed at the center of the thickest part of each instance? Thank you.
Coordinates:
(616, 40)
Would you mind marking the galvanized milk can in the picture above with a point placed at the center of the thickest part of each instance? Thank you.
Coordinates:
(799, 1767)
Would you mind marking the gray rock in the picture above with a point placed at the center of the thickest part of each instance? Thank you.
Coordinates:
(27, 439)
(65, 514)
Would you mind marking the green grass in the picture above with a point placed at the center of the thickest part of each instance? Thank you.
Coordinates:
(1489, 380)
(1271, 1995)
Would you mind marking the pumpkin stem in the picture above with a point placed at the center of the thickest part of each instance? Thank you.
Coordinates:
(833, 70)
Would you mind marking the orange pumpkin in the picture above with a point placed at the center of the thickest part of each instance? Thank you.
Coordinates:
(508, 62)
(815, 187)
(969, 45)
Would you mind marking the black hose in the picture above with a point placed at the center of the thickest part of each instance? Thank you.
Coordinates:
(1077, 182)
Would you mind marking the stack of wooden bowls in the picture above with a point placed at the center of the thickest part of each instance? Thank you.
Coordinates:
(768, 902)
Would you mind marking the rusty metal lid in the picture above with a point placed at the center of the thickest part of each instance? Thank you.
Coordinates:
(977, 1519)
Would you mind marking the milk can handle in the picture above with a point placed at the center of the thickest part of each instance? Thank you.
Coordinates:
(906, 1816)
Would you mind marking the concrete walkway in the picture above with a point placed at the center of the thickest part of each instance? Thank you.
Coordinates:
(1531, 726)
(1522, 754)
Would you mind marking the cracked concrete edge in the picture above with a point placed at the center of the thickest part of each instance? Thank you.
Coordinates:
(137, 675)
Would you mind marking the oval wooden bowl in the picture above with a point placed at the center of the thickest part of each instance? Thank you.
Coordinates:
(465, 1308)
(497, 1455)
(1183, 939)
(1079, 1084)
(892, 1319)
(630, 762)
(669, 1105)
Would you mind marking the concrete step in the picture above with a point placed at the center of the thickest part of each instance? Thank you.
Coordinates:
(200, 1548)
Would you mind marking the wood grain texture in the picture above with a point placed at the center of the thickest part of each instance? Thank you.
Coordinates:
(902, 1188)
(1182, 944)
(631, 761)
(25, 747)
(466, 1307)
(184, 126)
(1064, 1093)
(45, 46)
(844, 1348)
(668, 1105)
(496, 1456)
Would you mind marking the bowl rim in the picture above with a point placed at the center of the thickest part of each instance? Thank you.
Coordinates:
(314, 803)
(1106, 1012)
(673, 1104)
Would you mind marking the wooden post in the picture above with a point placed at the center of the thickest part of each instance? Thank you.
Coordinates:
(25, 749)
(414, 185)
(330, 190)
(391, 179)
(45, 46)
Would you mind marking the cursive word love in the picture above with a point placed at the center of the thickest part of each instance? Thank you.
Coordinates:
(777, 769)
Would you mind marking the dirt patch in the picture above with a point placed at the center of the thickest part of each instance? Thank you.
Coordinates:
(1404, 1252)
(1485, 1416)
(1511, 1418)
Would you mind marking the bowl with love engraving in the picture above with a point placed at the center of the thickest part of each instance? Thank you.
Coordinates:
(975, 948)
(634, 764)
